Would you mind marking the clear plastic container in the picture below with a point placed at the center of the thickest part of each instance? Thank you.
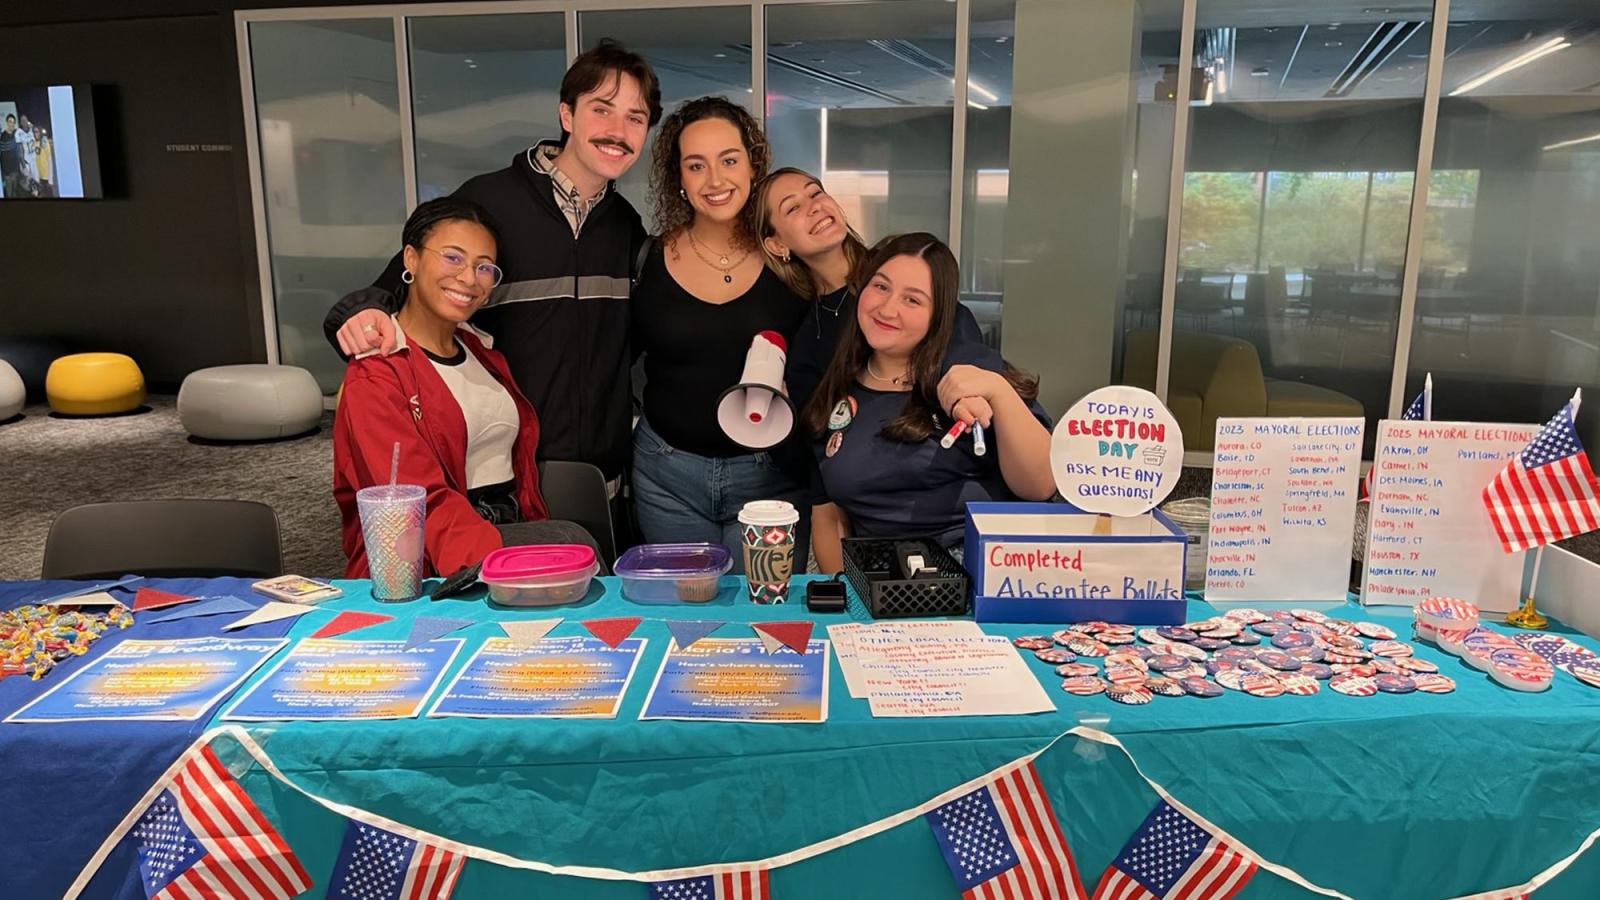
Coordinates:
(539, 574)
(673, 573)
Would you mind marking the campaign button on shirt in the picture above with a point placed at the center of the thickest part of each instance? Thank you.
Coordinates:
(1353, 685)
(1394, 684)
(1200, 687)
(1432, 683)
(1083, 685)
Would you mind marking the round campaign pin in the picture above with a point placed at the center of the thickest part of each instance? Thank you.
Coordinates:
(1433, 683)
(1299, 685)
(835, 441)
(1117, 628)
(1524, 663)
(1415, 664)
(1132, 695)
(1317, 670)
(1236, 653)
(1587, 672)
(1394, 684)
(1187, 651)
(1454, 640)
(1335, 658)
(1055, 655)
(1340, 626)
(1386, 666)
(1195, 669)
(1262, 685)
(1361, 670)
(1391, 648)
(1083, 685)
(1232, 679)
(1245, 615)
(1245, 639)
(1145, 651)
(1211, 643)
(1113, 638)
(1308, 615)
(1345, 643)
(1375, 631)
(1074, 669)
(1284, 616)
(1225, 630)
(1091, 627)
(1353, 685)
(844, 412)
(1446, 612)
(1176, 633)
(1166, 687)
(1204, 625)
(1032, 642)
(1255, 665)
(1087, 646)
(1168, 662)
(1269, 629)
(1213, 666)
(1200, 687)
(1292, 639)
(1126, 657)
(1307, 654)
(1125, 675)
(1279, 660)
(1149, 636)
(1061, 637)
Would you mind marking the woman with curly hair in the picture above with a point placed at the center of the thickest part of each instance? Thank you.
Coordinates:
(703, 295)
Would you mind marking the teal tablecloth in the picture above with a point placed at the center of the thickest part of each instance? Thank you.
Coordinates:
(1389, 796)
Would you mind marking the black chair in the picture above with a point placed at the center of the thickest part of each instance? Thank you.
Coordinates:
(576, 492)
(164, 538)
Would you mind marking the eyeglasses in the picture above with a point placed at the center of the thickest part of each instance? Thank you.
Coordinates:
(486, 273)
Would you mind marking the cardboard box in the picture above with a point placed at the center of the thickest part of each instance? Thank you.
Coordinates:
(1042, 562)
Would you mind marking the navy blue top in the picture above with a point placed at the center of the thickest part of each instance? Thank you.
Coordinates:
(895, 489)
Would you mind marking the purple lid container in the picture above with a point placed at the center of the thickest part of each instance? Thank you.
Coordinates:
(673, 561)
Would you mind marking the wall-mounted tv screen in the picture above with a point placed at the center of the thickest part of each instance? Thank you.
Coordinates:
(47, 143)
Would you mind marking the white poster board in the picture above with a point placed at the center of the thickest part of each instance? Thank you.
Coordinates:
(1429, 533)
(1283, 509)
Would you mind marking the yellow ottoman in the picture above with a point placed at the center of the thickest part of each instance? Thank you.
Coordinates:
(94, 384)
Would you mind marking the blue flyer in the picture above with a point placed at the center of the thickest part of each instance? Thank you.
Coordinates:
(332, 679)
(737, 680)
(170, 681)
(567, 677)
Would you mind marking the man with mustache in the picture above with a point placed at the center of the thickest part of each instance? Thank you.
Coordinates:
(568, 241)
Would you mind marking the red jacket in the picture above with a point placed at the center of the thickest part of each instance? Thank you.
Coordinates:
(400, 397)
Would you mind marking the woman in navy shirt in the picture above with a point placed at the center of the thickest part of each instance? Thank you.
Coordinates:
(899, 379)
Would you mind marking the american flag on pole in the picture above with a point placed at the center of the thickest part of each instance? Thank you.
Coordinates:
(1002, 841)
(1421, 409)
(1546, 492)
(734, 884)
(1171, 857)
(202, 838)
(375, 864)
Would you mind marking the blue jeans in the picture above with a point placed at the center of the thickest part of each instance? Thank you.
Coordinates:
(682, 497)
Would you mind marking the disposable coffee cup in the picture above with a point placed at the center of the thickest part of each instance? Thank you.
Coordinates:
(391, 527)
(768, 530)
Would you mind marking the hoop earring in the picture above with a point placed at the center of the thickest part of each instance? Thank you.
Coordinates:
(406, 277)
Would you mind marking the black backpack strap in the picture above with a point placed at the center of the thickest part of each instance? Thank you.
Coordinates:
(639, 260)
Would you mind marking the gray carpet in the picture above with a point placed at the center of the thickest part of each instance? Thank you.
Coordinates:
(53, 463)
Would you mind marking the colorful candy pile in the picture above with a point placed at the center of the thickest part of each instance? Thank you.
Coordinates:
(1522, 662)
(34, 638)
(1262, 654)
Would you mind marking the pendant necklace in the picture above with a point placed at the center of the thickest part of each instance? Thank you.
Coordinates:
(722, 262)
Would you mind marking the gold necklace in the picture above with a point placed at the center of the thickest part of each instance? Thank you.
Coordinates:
(904, 378)
(722, 263)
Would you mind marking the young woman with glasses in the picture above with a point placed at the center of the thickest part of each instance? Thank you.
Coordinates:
(466, 433)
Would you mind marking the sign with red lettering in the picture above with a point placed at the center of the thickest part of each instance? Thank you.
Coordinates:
(1117, 451)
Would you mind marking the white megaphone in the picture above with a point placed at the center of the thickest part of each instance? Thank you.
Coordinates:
(754, 412)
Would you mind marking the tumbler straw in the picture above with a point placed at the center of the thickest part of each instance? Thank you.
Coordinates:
(394, 465)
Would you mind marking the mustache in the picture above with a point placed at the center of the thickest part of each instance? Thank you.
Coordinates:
(610, 142)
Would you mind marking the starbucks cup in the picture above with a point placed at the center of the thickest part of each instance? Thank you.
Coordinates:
(391, 528)
(768, 530)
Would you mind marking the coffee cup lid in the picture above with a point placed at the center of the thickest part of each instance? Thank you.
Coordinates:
(768, 512)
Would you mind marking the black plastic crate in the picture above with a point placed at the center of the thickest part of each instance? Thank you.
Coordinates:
(869, 564)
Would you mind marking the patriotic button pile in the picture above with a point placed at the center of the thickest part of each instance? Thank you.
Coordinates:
(1209, 657)
(1523, 662)
(34, 638)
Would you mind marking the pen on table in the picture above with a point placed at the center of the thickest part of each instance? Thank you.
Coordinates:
(956, 430)
(978, 446)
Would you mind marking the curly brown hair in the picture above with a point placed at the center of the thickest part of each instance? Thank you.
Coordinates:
(672, 210)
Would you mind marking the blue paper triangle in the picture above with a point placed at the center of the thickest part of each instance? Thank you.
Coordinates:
(206, 606)
(426, 628)
(687, 632)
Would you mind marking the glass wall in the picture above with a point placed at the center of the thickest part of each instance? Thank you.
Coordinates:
(483, 89)
(328, 108)
(694, 52)
(1508, 302)
(986, 166)
(1296, 204)
(862, 94)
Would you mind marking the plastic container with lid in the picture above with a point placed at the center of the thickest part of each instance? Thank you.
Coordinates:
(539, 574)
(673, 573)
(1193, 515)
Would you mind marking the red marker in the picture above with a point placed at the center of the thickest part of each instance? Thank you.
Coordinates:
(949, 439)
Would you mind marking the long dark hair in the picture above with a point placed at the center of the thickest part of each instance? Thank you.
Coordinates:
(672, 209)
(917, 421)
(794, 272)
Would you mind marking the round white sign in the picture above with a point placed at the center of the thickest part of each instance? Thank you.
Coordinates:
(1118, 450)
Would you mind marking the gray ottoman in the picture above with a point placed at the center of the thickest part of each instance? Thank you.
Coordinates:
(12, 391)
(249, 403)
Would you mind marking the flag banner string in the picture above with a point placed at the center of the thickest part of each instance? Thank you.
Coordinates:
(809, 851)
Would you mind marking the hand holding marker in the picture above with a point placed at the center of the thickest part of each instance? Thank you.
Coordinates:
(959, 428)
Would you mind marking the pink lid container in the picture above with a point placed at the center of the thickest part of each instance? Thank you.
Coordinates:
(540, 574)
